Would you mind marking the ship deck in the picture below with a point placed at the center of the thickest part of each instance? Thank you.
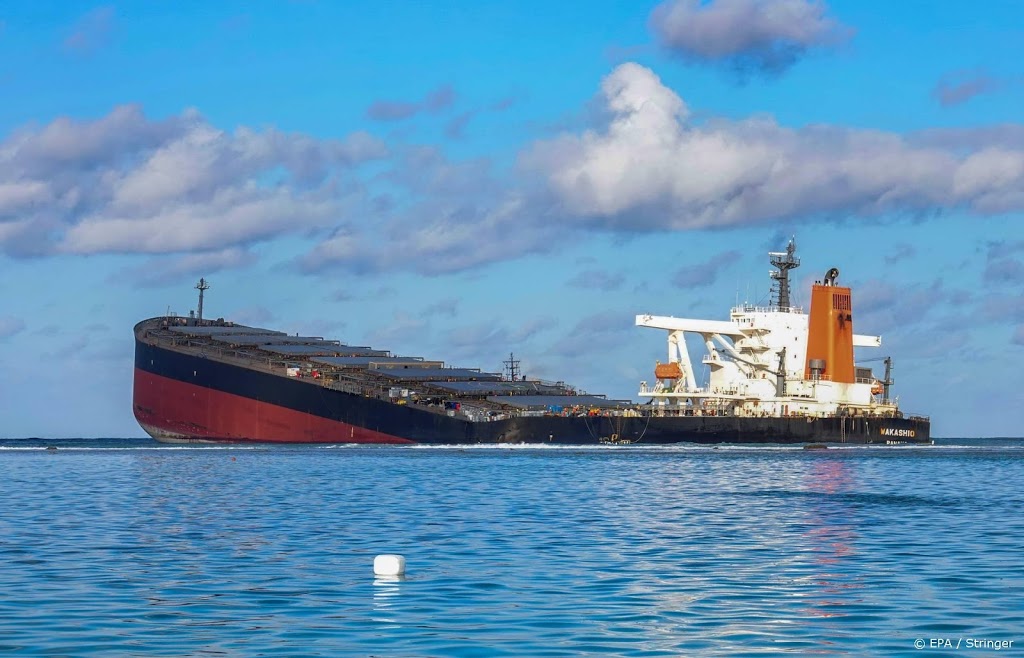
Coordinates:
(360, 370)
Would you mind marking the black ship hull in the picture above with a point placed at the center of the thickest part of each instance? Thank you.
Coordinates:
(181, 397)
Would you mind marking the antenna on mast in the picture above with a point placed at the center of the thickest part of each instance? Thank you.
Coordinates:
(202, 287)
(784, 261)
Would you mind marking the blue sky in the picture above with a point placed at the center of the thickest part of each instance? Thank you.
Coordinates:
(459, 180)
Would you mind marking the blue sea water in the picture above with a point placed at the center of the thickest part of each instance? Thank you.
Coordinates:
(126, 547)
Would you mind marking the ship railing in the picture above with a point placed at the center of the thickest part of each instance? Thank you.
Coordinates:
(750, 308)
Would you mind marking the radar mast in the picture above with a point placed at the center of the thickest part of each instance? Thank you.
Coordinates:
(202, 287)
(784, 261)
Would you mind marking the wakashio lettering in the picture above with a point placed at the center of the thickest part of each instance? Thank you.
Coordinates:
(891, 431)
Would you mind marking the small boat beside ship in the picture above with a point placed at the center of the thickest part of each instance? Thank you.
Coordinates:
(776, 375)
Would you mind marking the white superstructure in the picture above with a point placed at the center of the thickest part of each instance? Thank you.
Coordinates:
(759, 363)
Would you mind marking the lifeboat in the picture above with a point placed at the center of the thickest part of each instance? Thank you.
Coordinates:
(667, 371)
(877, 388)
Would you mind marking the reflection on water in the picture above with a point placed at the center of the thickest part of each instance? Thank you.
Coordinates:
(540, 552)
(831, 536)
(386, 590)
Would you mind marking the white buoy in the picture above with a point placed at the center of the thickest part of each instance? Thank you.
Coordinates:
(389, 565)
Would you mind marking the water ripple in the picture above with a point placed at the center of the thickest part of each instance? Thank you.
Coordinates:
(511, 552)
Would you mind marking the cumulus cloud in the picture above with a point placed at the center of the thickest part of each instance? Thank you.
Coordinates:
(652, 167)
(962, 86)
(766, 35)
(1000, 135)
(435, 101)
(125, 183)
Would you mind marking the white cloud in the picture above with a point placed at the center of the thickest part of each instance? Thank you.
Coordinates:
(69, 144)
(764, 34)
(653, 168)
(124, 183)
(992, 179)
(233, 216)
(18, 196)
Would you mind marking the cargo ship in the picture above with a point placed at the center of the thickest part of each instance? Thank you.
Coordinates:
(774, 374)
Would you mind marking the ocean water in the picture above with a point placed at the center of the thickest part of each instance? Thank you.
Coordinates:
(111, 548)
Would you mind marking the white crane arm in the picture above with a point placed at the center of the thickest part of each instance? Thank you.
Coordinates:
(685, 324)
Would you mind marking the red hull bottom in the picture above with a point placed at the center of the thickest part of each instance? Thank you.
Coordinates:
(177, 412)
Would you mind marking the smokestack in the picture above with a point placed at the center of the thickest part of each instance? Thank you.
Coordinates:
(830, 332)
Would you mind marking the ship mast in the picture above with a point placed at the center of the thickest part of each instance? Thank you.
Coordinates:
(202, 287)
(784, 261)
(511, 367)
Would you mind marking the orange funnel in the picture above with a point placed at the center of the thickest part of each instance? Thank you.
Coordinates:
(830, 335)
